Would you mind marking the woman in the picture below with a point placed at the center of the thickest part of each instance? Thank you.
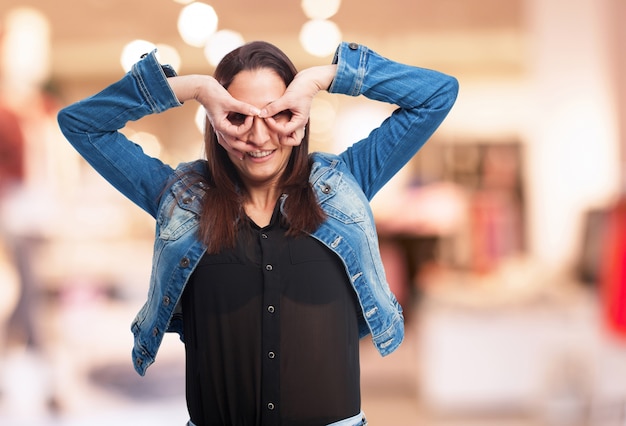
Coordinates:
(266, 258)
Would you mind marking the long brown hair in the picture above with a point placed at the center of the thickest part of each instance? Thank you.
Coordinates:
(222, 207)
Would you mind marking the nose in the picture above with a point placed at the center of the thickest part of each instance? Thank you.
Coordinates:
(259, 133)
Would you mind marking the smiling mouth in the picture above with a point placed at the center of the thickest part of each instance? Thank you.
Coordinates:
(259, 154)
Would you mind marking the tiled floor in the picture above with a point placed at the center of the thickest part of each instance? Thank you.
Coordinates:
(390, 389)
(389, 385)
(115, 395)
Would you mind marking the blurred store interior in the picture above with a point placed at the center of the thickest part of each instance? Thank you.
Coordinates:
(504, 239)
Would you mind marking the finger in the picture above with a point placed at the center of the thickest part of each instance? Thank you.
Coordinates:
(287, 128)
(232, 146)
(244, 108)
(226, 127)
(246, 125)
(294, 138)
(233, 142)
(273, 108)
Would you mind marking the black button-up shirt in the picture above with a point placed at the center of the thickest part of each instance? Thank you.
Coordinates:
(271, 333)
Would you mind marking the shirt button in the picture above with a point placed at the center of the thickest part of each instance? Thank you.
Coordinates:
(353, 46)
(155, 331)
(166, 300)
(184, 262)
(326, 189)
(270, 406)
(268, 267)
(264, 236)
(271, 355)
(270, 309)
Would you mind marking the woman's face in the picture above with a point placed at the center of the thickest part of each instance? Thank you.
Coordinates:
(265, 158)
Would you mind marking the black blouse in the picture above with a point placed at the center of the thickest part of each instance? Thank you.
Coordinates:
(271, 333)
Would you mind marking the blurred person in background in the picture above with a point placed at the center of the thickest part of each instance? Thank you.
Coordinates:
(11, 177)
(11, 151)
(266, 258)
(19, 312)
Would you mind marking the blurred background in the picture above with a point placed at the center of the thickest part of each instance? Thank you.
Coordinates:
(504, 239)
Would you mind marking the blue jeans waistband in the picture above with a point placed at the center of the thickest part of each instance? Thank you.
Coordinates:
(358, 420)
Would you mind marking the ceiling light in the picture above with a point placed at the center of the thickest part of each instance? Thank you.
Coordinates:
(196, 23)
(132, 52)
(167, 54)
(320, 9)
(220, 44)
(25, 48)
(200, 118)
(320, 37)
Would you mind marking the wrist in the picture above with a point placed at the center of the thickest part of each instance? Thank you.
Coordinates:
(189, 87)
(329, 75)
(323, 75)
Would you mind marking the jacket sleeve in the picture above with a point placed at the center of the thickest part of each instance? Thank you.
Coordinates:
(92, 127)
(424, 98)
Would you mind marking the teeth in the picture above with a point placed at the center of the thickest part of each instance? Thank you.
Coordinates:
(259, 154)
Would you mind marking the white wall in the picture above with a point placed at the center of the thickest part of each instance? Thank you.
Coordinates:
(572, 129)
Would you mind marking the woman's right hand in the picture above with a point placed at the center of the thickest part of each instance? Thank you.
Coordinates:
(219, 105)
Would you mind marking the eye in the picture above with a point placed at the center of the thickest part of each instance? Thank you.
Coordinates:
(283, 116)
(236, 118)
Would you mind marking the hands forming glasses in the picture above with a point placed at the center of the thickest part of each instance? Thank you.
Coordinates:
(232, 124)
(287, 116)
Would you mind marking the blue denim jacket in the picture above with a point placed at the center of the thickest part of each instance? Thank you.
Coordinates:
(344, 183)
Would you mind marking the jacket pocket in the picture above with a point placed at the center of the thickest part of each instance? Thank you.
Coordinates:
(341, 200)
(178, 215)
(177, 225)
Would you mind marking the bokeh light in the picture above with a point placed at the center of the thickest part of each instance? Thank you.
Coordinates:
(220, 44)
(320, 37)
(132, 52)
(200, 119)
(320, 9)
(196, 23)
(25, 48)
(167, 54)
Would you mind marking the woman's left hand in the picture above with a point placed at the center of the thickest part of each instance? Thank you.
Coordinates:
(297, 100)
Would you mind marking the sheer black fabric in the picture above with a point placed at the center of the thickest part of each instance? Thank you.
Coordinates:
(271, 334)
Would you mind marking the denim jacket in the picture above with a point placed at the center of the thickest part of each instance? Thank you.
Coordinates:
(343, 183)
